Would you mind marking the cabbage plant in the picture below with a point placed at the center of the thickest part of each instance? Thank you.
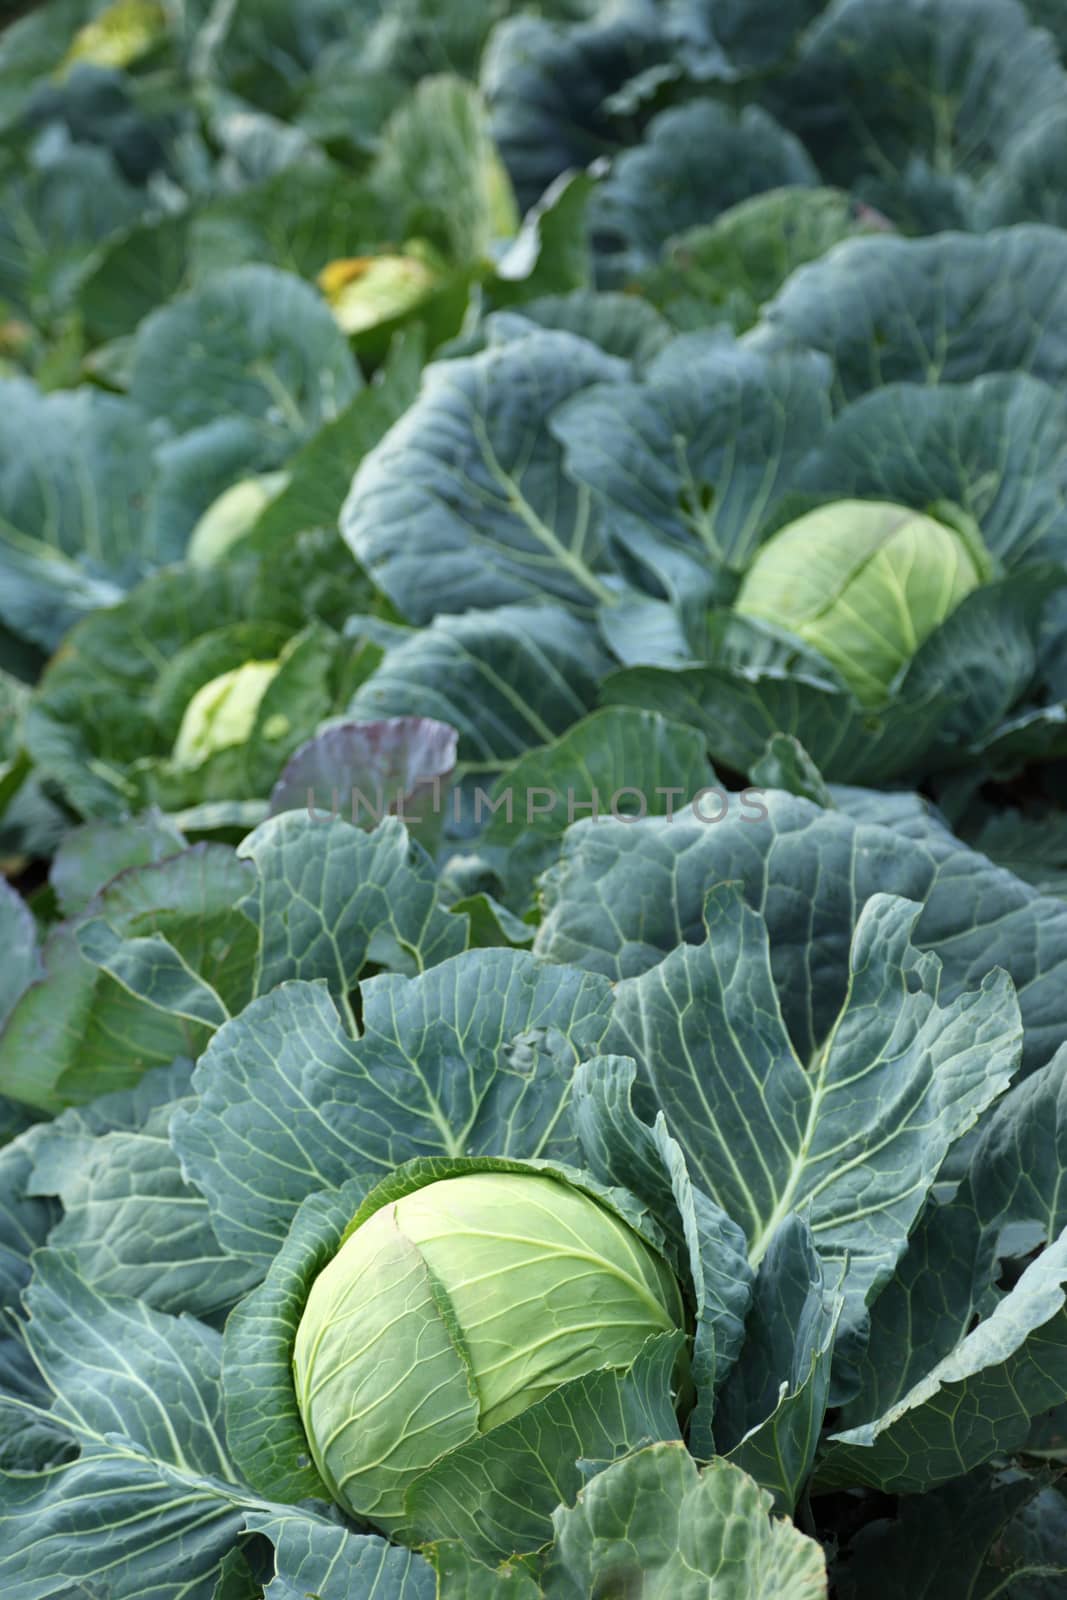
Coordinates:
(820, 1204)
(866, 583)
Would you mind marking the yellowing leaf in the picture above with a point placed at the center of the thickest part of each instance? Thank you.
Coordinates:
(365, 291)
(120, 35)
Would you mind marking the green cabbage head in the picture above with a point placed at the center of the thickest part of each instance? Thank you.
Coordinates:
(222, 712)
(231, 516)
(449, 1311)
(865, 582)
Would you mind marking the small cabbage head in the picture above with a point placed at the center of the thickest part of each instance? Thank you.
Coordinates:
(452, 1309)
(228, 518)
(222, 712)
(864, 582)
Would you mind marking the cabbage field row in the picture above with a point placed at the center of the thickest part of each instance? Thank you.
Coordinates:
(533, 800)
